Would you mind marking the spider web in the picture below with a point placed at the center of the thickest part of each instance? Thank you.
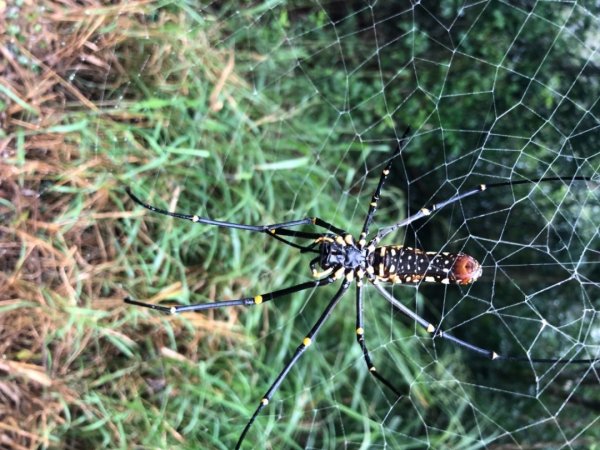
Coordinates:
(307, 100)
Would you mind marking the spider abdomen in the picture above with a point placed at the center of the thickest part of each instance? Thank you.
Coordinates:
(398, 264)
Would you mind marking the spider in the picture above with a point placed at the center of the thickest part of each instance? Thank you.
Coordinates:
(343, 258)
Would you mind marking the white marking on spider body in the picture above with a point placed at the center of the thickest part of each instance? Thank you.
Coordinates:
(339, 273)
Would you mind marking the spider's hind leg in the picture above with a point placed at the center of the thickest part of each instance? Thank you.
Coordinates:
(423, 212)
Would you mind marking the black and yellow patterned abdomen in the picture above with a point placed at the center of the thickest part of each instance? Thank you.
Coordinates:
(398, 264)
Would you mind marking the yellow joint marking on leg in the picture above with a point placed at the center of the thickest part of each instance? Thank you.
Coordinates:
(324, 273)
(323, 239)
(482, 187)
(339, 273)
(408, 279)
(265, 401)
(495, 355)
(370, 269)
(359, 283)
(173, 310)
(340, 240)
(306, 341)
(313, 220)
(430, 328)
(360, 331)
(430, 279)
(373, 204)
(349, 239)
(272, 231)
(258, 300)
(195, 219)
(372, 369)
(371, 248)
(362, 242)
(386, 172)
(363, 234)
(426, 211)
(360, 273)
(350, 276)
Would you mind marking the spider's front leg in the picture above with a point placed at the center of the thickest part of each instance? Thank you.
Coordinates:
(375, 197)
(246, 301)
(360, 337)
(220, 223)
(306, 342)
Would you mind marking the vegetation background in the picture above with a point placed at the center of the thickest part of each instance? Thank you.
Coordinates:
(247, 112)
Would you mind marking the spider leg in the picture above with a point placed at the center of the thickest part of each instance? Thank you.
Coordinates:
(381, 233)
(246, 301)
(375, 198)
(276, 234)
(438, 332)
(297, 354)
(219, 223)
(360, 337)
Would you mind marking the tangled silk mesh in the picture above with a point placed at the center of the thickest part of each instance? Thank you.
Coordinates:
(493, 91)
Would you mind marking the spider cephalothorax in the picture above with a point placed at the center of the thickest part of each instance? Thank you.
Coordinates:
(337, 252)
(342, 258)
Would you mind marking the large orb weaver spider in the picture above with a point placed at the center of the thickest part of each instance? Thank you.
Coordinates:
(342, 257)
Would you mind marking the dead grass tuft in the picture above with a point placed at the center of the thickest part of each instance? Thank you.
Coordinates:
(60, 272)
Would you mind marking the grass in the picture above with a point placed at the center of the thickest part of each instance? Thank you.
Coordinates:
(185, 132)
(163, 97)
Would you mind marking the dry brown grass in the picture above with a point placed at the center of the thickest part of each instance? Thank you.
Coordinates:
(57, 248)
